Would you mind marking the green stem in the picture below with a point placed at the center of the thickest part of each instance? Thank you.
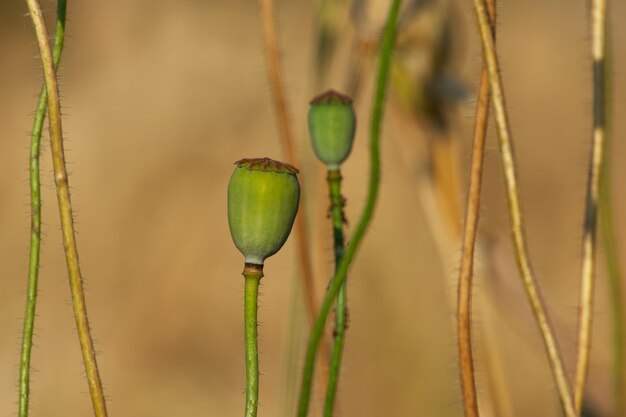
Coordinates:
(65, 211)
(338, 220)
(35, 226)
(607, 227)
(252, 274)
(366, 216)
(615, 299)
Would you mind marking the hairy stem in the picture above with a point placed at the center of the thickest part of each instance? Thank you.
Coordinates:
(35, 222)
(386, 48)
(65, 209)
(464, 308)
(338, 220)
(252, 274)
(515, 213)
(598, 52)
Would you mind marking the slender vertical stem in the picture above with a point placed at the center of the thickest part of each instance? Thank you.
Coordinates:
(607, 227)
(464, 308)
(35, 222)
(65, 209)
(386, 48)
(614, 274)
(338, 221)
(252, 274)
(287, 141)
(285, 129)
(615, 296)
(598, 51)
(515, 213)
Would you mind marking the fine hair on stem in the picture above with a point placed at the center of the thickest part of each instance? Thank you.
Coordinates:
(466, 270)
(515, 212)
(252, 275)
(35, 223)
(65, 210)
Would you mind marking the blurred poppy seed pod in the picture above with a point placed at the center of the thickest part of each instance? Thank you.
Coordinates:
(331, 125)
(263, 197)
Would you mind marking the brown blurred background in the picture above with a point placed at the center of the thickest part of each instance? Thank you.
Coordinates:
(160, 98)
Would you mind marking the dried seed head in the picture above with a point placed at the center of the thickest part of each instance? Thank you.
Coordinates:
(331, 125)
(263, 197)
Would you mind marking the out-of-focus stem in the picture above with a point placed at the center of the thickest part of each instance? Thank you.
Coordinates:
(615, 298)
(585, 307)
(614, 274)
(281, 107)
(287, 143)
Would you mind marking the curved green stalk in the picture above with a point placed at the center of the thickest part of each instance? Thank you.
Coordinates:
(614, 273)
(338, 220)
(366, 216)
(252, 274)
(35, 222)
(515, 212)
(65, 211)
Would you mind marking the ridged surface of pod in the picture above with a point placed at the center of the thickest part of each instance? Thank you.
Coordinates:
(263, 198)
(332, 123)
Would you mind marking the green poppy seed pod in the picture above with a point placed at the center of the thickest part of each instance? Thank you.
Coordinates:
(331, 125)
(263, 197)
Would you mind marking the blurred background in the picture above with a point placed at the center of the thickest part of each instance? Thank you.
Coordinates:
(160, 98)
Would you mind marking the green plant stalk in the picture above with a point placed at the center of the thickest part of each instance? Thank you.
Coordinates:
(252, 274)
(515, 213)
(65, 209)
(35, 222)
(294, 335)
(317, 331)
(614, 274)
(615, 297)
(338, 220)
(585, 318)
